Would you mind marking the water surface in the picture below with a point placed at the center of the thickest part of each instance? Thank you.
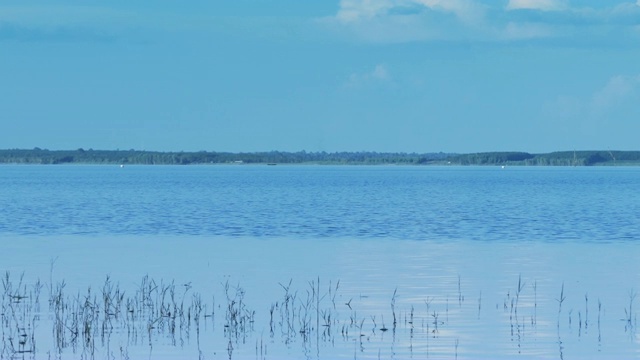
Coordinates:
(488, 252)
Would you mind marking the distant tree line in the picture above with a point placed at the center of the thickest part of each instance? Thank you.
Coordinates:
(558, 158)
(90, 156)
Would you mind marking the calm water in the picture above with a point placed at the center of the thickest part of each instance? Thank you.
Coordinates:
(472, 261)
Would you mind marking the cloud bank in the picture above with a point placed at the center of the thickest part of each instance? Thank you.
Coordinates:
(484, 20)
(376, 21)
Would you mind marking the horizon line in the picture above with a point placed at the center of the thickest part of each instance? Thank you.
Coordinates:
(316, 151)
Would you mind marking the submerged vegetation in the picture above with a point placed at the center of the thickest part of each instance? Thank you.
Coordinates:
(90, 156)
(314, 321)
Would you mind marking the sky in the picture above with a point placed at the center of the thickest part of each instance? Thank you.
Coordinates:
(329, 75)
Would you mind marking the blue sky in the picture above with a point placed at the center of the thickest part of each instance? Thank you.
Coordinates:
(329, 75)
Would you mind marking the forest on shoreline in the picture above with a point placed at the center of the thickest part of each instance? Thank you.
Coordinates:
(90, 156)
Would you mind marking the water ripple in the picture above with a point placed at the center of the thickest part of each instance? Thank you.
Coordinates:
(546, 204)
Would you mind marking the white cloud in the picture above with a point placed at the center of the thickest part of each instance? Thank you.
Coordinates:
(388, 21)
(544, 5)
(354, 10)
(379, 74)
(602, 117)
(597, 112)
(466, 10)
(617, 90)
(523, 31)
(358, 10)
(626, 9)
(391, 21)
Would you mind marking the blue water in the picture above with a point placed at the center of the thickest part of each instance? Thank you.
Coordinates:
(426, 203)
(456, 242)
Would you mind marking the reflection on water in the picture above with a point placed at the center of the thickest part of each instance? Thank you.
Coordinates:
(236, 298)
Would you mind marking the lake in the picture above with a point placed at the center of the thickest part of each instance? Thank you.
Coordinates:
(319, 262)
